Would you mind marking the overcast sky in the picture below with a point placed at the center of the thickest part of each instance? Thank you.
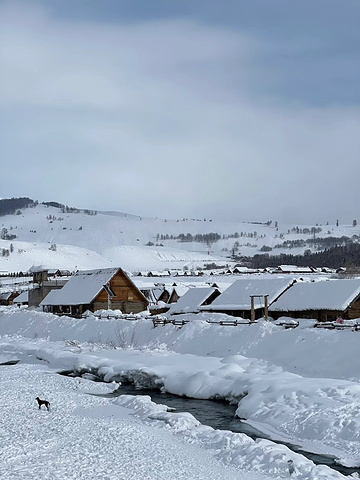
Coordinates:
(236, 109)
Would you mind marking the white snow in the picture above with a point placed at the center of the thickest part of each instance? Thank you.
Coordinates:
(192, 300)
(23, 297)
(299, 385)
(88, 437)
(111, 239)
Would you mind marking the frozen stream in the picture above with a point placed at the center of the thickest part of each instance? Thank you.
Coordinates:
(216, 414)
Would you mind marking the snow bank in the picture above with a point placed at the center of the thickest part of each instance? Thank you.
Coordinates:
(269, 370)
(232, 448)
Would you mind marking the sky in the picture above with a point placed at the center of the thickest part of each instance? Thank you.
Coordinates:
(237, 110)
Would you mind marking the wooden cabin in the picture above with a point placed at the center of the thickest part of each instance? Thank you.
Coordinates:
(323, 301)
(8, 298)
(107, 288)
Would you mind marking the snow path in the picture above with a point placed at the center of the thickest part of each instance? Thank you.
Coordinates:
(86, 437)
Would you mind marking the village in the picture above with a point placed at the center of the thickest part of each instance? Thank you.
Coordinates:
(179, 240)
(286, 294)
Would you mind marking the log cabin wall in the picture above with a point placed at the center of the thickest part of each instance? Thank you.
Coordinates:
(125, 307)
(354, 309)
(128, 297)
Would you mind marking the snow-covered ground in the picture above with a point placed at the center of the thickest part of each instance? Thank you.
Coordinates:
(88, 437)
(298, 385)
(86, 241)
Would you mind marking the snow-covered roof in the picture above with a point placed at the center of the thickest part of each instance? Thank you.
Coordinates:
(81, 288)
(22, 298)
(237, 296)
(192, 300)
(244, 270)
(322, 295)
(180, 290)
(294, 269)
(38, 268)
(157, 273)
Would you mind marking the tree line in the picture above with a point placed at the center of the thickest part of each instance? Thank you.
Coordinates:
(9, 206)
(334, 257)
(208, 238)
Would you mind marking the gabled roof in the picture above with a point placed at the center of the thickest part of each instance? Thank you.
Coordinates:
(323, 295)
(38, 268)
(81, 288)
(22, 298)
(149, 293)
(166, 290)
(192, 300)
(237, 296)
(180, 290)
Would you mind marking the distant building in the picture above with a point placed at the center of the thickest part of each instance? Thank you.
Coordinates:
(293, 269)
(43, 285)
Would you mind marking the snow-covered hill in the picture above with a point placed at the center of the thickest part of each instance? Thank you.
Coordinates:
(46, 235)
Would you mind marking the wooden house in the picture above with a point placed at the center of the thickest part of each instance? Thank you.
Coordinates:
(8, 298)
(236, 299)
(323, 301)
(107, 288)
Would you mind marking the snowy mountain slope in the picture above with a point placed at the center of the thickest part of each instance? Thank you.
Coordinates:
(70, 257)
(108, 237)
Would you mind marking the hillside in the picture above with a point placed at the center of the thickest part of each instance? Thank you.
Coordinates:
(71, 238)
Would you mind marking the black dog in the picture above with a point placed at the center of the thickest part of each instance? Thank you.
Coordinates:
(43, 402)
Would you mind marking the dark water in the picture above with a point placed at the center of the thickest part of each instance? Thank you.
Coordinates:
(217, 414)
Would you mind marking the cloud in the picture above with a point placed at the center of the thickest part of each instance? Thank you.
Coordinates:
(157, 118)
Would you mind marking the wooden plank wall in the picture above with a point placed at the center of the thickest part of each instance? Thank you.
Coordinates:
(128, 298)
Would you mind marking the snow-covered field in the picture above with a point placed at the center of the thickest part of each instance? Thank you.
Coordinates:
(88, 437)
(298, 385)
(106, 239)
